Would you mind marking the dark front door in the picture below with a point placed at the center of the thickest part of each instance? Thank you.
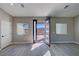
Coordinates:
(34, 31)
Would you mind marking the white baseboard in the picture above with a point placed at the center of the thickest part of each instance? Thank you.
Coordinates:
(66, 42)
(21, 42)
(16, 43)
(76, 42)
(6, 46)
(63, 42)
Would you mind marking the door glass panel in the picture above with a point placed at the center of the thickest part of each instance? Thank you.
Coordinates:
(34, 30)
(47, 31)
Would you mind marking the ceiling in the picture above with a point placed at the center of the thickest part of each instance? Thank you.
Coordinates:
(41, 9)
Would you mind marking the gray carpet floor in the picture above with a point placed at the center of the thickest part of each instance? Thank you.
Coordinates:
(41, 49)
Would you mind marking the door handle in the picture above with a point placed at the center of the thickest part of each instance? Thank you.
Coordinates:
(2, 36)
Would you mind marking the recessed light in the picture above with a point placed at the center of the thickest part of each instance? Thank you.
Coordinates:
(66, 6)
(11, 4)
(22, 5)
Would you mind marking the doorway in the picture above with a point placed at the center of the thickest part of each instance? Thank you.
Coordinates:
(41, 31)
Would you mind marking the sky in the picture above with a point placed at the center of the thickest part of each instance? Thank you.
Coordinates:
(39, 26)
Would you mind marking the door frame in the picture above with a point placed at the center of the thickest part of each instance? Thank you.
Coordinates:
(49, 18)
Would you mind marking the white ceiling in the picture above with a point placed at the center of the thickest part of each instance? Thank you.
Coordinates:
(41, 9)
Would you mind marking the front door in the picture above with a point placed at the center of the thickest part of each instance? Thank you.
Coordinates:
(47, 31)
(5, 33)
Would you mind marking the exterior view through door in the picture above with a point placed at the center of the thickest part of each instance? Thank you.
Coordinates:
(41, 31)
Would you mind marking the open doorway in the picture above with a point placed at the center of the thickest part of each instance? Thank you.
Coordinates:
(41, 31)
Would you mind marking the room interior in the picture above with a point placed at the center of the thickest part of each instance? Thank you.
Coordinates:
(63, 36)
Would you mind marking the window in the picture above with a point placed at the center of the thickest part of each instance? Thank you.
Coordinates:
(61, 28)
(21, 28)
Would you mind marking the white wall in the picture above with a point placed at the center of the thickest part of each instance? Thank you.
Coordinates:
(54, 38)
(28, 36)
(76, 24)
(6, 17)
(69, 38)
